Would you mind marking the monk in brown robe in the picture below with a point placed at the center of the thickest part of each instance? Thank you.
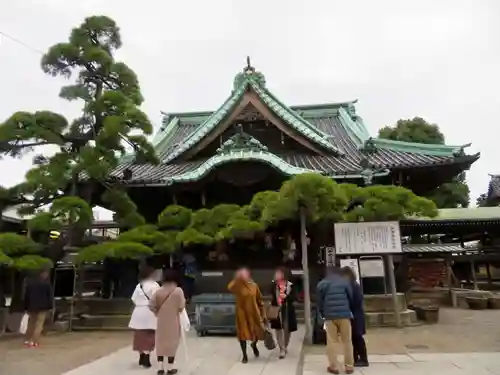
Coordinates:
(249, 311)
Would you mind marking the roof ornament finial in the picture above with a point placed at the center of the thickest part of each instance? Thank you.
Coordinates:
(249, 69)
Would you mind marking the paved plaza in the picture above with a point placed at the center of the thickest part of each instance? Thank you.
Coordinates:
(468, 340)
(417, 364)
(207, 355)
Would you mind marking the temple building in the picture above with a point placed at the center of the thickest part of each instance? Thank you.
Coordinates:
(254, 142)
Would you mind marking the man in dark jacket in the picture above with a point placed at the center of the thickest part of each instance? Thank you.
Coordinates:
(334, 296)
(38, 301)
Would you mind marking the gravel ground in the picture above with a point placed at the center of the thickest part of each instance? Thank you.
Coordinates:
(59, 353)
(457, 331)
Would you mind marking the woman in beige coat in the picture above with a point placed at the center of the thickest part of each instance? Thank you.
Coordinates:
(167, 303)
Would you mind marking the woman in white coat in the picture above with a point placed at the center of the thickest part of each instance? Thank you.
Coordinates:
(143, 321)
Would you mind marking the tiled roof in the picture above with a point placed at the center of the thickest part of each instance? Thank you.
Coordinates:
(434, 248)
(464, 214)
(334, 127)
(346, 166)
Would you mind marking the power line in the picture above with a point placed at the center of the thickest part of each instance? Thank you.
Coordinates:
(20, 42)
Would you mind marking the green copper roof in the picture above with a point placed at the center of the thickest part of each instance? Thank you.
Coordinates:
(473, 214)
(419, 148)
(256, 81)
(237, 156)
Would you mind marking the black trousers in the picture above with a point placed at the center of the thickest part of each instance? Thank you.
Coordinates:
(359, 347)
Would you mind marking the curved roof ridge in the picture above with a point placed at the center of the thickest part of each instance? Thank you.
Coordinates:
(237, 156)
(427, 148)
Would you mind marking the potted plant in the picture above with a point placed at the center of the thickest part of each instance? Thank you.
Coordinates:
(477, 303)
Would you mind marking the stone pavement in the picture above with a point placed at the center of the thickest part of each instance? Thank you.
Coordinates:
(417, 364)
(207, 355)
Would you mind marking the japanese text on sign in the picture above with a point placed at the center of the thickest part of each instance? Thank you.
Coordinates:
(367, 238)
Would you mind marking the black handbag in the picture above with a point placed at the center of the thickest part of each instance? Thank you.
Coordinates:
(269, 340)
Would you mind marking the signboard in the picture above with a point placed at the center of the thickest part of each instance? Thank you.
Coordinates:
(368, 238)
(371, 268)
(329, 256)
(352, 264)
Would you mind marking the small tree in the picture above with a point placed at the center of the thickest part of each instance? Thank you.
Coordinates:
(386, 203)
(89, 147)
(310, 197)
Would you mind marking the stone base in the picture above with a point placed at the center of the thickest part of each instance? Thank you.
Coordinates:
(387, 319)
(435, 296)
(383, 303)
(459, 296)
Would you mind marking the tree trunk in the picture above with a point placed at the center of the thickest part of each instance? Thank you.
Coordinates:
(305, 268)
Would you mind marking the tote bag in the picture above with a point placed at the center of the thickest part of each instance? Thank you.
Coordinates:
(23, 327)
(185, 323)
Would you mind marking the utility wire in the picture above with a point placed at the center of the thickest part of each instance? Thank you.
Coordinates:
(20, 42)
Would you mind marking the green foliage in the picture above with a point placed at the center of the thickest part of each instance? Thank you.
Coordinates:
(149, 235)
(175, 217)
(320, 196)
(4, 259)
(450, 194)
(113, 249)
(240, 228)
(110, 124)
(387, 203)
(31, 263)
(72, 210)
(413, 130)
(43, 222)
(13, 245)
(260, 202)
(125, 209)
(20, 252)
(192, 236)
(96, 253)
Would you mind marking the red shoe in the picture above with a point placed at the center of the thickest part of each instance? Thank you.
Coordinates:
(331, 370)
(34, 345)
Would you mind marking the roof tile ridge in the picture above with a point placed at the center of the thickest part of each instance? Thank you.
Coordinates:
(205, 127)
(446, 150)
(222, 158)
(352, 129)
(323, 137)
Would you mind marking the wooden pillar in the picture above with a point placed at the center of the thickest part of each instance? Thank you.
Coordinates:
(473, 273)
(392, 286)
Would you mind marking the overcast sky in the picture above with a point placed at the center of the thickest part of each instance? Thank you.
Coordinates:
(436, 59)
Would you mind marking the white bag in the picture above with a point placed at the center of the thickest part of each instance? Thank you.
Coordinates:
(23, 326)
(185, 323)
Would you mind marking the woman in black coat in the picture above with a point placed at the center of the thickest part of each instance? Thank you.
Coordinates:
(282, 298)
(358, 321)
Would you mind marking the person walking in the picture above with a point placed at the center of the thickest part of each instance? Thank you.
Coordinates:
(143, 320)
(358, 320)
(167, 304)
(249, 311)
(38, 302)
(334, 296)
(281, 313)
